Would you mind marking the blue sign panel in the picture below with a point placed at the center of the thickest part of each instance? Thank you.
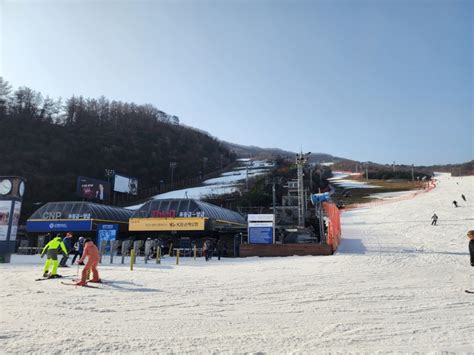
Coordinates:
(316, 198)
(261, 235)
(82, 225)
(106, 232)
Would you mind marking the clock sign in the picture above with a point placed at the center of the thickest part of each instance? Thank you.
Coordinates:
(5, 186)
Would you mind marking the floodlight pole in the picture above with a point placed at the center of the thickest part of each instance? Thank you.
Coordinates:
(301, 160)
(204, 162)
(172, 166)
(109, 173)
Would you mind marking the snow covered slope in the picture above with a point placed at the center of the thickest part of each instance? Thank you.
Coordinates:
(396, 284)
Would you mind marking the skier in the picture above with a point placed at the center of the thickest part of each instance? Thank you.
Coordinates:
(220, 247)
(92, 254)
(455, 203)
(68, 244)
(470, 235)
(51, 250)
(435, 219)
(79, 249)
(463, 197)
(205, 250)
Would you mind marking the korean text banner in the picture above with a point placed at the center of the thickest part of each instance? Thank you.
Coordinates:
(261, 235)
(92, 189)
(167, 224)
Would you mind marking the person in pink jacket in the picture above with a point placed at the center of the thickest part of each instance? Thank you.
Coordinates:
(92, 254)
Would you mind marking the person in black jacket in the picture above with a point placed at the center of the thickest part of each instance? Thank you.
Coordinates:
(68, 244)
(78, 249)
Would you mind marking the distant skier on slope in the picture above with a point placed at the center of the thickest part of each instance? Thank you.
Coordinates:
(455, 203)
(92, 254)
(435, 219)
(463, 197)
(51, 249)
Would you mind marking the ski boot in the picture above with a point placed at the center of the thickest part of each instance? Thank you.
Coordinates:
(56, 276)
(46, 274)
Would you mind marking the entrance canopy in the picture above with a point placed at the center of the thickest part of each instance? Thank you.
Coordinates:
(75, 216)
(184, 215)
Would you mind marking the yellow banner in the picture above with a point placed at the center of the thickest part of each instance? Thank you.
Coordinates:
(166, 224)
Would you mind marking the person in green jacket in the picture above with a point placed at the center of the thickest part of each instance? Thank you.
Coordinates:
(51, 249)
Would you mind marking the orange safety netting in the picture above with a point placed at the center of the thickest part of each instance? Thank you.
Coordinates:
(334, 227)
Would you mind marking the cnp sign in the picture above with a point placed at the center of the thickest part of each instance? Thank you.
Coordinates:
(52, 215)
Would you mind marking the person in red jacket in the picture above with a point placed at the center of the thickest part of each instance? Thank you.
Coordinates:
(92, 254)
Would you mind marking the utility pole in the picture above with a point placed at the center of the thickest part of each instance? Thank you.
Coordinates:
(274, 198)
(247, 178)
(367, 171)
(412, 173)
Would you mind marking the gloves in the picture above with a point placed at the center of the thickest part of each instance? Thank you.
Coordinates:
(42, 255)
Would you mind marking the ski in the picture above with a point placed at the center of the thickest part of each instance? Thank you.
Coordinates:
(100, 282)
(468, 291)
(49, 278)
(73, 284)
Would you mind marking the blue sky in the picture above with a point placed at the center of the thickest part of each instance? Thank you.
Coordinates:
(367, 80)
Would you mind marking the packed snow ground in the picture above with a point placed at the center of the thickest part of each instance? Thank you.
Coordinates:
(396, 285)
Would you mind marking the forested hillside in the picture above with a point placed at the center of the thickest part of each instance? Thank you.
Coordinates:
(51, 142)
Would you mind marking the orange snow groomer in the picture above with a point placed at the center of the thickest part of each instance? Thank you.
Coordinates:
(92, 254)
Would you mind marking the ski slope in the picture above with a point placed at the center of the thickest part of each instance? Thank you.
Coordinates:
(395, 285)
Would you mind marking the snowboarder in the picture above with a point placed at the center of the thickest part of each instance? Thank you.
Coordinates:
(455, 203)
(78, 249)
(463, 197)
(51, 250)
(470, 235)
(435, 219)
(92, 254)
(68, 244)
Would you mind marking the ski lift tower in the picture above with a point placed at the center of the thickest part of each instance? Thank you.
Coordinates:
(301, 160)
